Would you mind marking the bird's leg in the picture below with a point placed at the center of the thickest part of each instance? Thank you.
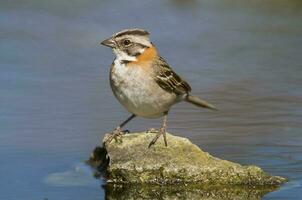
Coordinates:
(161, 131)
(118, 130)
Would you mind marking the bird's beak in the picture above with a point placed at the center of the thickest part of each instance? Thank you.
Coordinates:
(108, 42)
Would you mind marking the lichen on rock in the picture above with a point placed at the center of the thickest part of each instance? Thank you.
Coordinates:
(131, 161)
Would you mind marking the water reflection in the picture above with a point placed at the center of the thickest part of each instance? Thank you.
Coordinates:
(114, 192)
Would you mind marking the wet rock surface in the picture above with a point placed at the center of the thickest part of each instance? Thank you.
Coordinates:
(130, 161)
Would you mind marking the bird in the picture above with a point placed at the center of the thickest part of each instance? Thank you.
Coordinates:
(143, 82)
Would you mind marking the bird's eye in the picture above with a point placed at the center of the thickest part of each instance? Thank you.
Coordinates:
(126, 42)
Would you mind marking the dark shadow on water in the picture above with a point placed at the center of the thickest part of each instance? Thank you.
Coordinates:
(113, 191)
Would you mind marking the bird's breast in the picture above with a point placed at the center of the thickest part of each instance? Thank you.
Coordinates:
(138, 92)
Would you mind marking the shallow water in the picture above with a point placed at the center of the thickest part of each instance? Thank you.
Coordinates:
(56, 103)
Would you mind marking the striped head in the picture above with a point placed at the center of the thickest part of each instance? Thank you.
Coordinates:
(128, 44)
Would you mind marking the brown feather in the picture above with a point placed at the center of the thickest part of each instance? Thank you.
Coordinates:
(168, 79)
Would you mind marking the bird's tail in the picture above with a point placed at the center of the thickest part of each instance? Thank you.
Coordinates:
(199, 102)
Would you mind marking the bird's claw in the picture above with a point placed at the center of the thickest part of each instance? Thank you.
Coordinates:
(116, 135)
(152, 130)
(161, 131)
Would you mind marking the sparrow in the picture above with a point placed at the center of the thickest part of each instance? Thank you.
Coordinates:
(143, 82)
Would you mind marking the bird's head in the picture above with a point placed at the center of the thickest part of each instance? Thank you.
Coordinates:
(128, 44)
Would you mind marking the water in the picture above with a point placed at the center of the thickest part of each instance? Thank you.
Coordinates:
(56, 103)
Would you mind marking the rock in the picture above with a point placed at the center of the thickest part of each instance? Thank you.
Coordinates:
(131, 161)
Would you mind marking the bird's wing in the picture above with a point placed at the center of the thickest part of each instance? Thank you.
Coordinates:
(168, 80)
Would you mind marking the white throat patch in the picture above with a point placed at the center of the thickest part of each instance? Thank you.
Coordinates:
(120, 55)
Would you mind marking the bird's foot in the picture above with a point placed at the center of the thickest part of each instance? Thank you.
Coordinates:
(152, 130)
(116, 135)
(161, 131)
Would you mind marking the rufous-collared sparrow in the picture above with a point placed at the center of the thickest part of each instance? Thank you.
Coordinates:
(143, 82)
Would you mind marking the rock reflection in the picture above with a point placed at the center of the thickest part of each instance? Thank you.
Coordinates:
(113, 191)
